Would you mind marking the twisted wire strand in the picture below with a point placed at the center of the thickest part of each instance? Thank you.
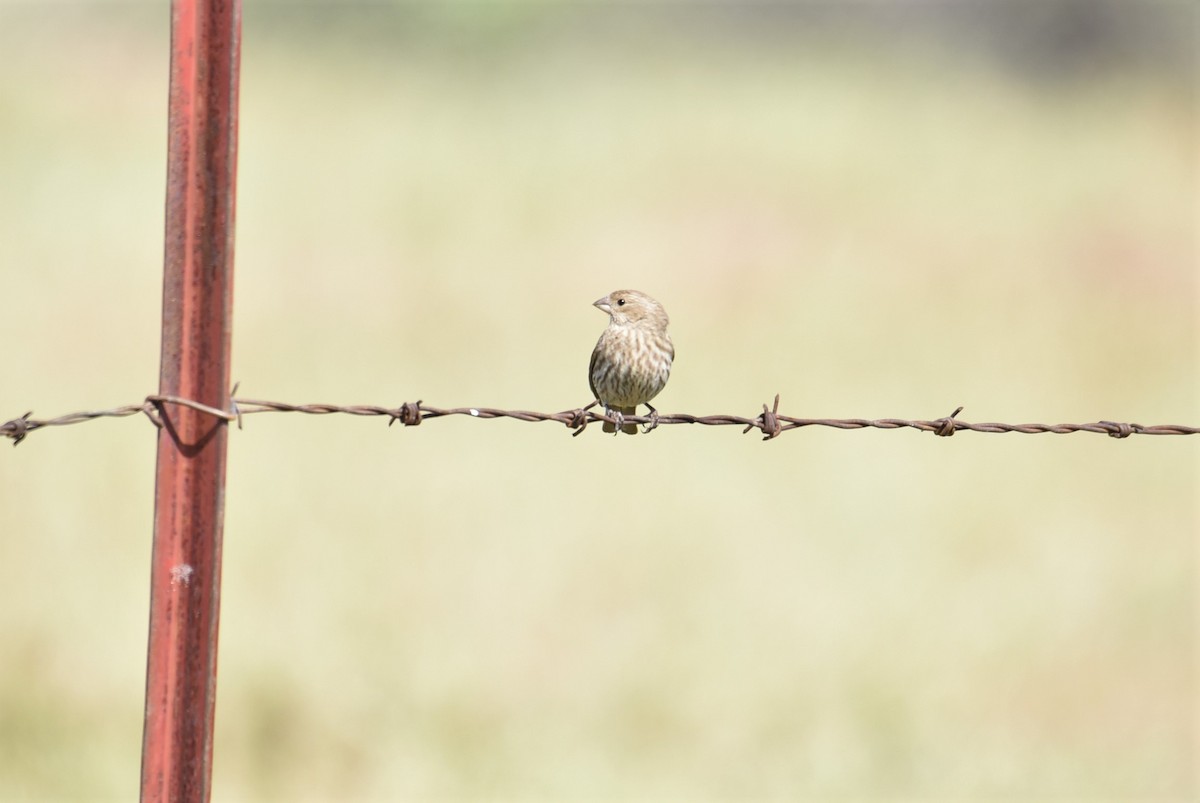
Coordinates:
(770, 422)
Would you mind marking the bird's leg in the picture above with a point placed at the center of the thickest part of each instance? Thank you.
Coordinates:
(653, 418)
(618, 416)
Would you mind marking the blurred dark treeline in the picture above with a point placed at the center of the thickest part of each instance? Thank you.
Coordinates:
(1038, 38)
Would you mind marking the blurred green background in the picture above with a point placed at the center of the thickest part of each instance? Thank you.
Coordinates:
(876, 210)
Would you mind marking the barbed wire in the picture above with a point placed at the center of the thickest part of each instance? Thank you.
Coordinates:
(770, 421)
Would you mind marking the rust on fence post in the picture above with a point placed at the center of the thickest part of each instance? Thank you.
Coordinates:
(190, 480)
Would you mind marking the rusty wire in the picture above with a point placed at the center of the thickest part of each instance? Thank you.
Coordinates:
(770, 421)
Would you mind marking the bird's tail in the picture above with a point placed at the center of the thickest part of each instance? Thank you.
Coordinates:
(628, 429)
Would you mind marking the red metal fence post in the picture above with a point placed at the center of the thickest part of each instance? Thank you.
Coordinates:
(190, 481)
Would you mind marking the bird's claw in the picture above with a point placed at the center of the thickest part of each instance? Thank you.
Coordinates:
(618, 419)
(653, 422)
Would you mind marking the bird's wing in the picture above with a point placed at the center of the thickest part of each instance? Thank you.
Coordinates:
(592, 368)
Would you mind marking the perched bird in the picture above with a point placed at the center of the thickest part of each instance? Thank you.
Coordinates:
(632, 359)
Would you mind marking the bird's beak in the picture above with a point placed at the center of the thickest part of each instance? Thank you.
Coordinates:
(603, 305)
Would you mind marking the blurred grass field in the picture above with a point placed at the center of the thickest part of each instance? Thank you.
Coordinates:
(871, 226)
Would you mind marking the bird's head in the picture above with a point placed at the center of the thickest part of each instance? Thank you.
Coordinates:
(633, 308)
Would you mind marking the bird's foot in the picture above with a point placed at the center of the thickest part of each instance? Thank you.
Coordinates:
(609, 426)
(653, 422)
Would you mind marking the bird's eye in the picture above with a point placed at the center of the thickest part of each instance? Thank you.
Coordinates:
(620, 302)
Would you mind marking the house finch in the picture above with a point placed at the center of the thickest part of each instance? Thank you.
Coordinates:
(632, 358)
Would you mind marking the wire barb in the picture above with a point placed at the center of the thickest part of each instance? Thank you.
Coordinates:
(409, 414)
(947, 426)
(579, 419)
(1121, 430)
(18, 428)
(770, 421)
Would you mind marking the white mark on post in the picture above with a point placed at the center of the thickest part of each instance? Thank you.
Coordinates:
(181, 574)
(474, 412)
